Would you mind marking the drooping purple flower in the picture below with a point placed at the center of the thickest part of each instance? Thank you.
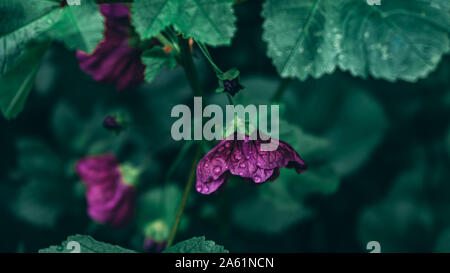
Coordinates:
(246, 159)
(115, 61)
(110, 199)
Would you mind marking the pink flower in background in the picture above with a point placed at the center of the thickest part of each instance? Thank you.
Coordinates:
(110, 199)
(244, 158)
(114, 61)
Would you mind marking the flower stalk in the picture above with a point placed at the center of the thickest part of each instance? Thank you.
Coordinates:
(187, 191)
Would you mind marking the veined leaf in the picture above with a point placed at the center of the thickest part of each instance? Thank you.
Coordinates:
(196, 245)
(402, 39)
(22, 21)
(151, 17)
(80, 26)
(207, 21)
(84, 244)
(16, 84)
(299, 37)
(154, 60)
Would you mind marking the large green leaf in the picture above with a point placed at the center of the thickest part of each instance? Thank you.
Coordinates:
(196, 245)
(80, 26)
(42, 198)
(16, 83)
(207, 21)
(22, 21)
(299, 37)
(150, 17)
(25, 21)
(402, 39)
(155, 60)
(87, 244)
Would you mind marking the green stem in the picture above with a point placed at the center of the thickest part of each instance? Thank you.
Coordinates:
(187, 191)
(189, 67)
(205, 52)
(280, 90)
(178, 159)
(230, 99)
(164, 40)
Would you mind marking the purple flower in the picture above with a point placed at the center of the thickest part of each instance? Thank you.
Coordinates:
(244, 158)
(110, 200)
(115, 61)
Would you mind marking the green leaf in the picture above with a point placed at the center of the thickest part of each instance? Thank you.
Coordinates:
(87, 245)
(402, 39)
(358, 129)
(33, 156)
(443, 242)
(22, 21)
(156, 59)
(157, 210)
(269, 215)
(307, 145)
(207, 21)
(196, 245)
(299, 37)
(80, 26)
(151, 17)
(39, 203)
(16, 84)
(65, 123)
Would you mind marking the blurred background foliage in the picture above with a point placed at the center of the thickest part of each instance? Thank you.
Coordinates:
(378, 155)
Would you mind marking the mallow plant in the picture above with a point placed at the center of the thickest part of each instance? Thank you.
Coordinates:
(124, 44)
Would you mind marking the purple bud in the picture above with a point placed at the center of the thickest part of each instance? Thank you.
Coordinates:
(152, 246)
(110, 123)
(232, 86)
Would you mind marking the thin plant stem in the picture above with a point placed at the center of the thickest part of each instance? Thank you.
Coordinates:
(280, 90)
(187, 191)
(205, 52)
(189, 67)
(178, 159)
(230, 99)
(164, 40)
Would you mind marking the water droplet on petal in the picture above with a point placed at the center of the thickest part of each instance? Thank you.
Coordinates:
(217, 170)
(256, 179)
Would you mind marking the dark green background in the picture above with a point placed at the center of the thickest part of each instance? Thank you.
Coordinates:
(397, 195)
